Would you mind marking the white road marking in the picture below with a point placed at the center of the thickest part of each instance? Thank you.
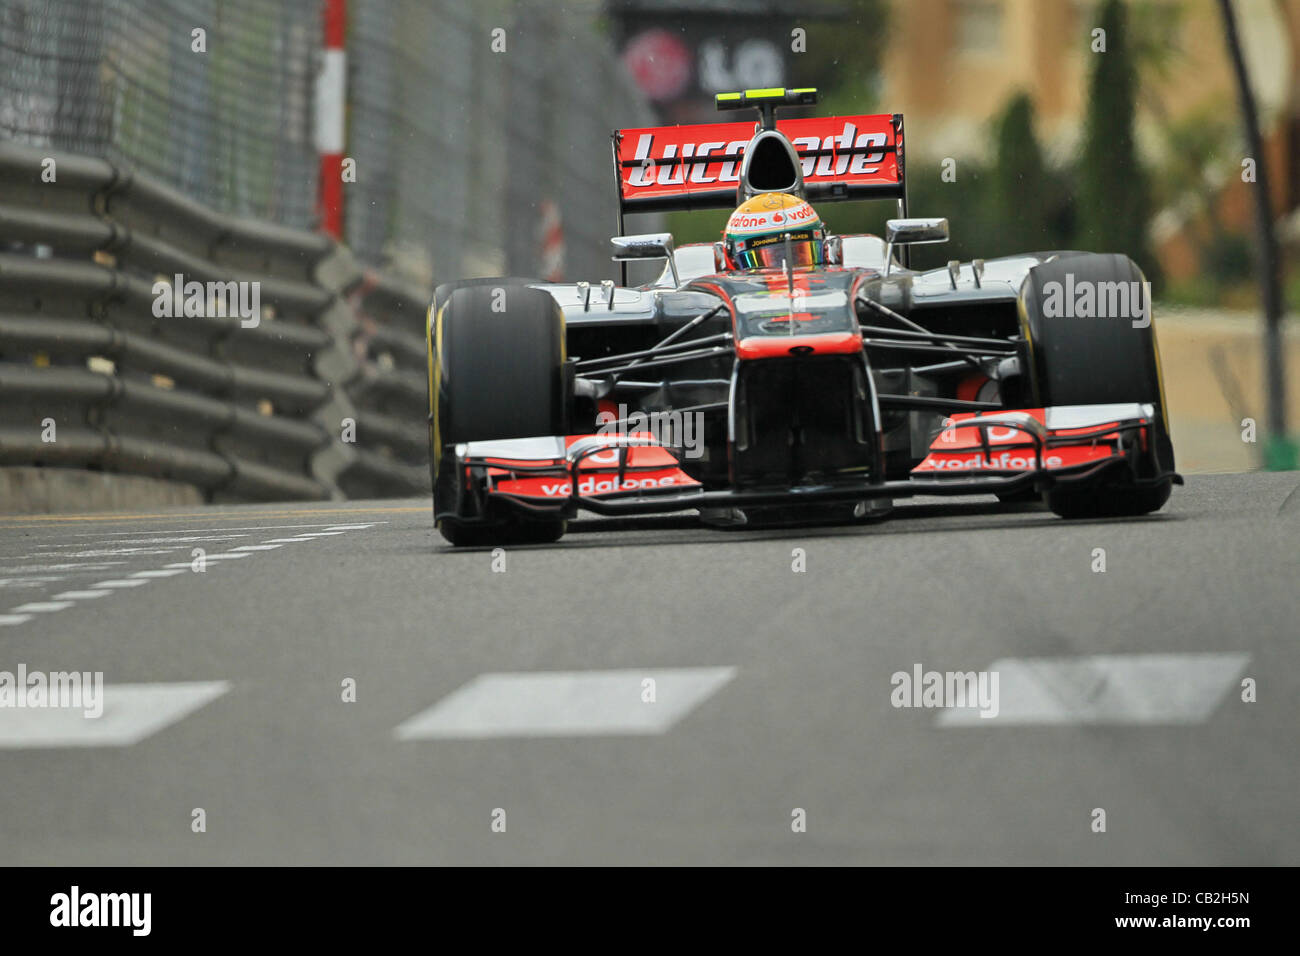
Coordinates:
(267, 527)
(223, 556)
(1106, 689)
(77, 566)
(36, 582)
(8, 620)
(169, 540)
(42, 607)
(566, 704)
(132, 712)
(81, 595)
(138, 578)
(110, 552)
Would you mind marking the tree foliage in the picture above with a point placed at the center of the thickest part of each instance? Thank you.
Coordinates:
(1113, 189)
(1019, 191)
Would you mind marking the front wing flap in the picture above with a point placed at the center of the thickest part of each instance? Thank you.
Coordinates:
(554, 475)
(1060, 439)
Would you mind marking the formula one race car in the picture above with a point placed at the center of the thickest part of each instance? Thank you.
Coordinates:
(785, 374)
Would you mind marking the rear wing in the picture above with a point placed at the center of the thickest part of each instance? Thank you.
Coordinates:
(666, 168)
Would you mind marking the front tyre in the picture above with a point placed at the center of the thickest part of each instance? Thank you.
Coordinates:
(495, 372)
(1079, 360)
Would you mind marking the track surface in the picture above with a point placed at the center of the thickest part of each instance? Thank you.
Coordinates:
(800, 717)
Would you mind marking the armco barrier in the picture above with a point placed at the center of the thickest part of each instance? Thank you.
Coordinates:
(321, 395)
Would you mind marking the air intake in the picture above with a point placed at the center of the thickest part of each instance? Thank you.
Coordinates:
(771, 165)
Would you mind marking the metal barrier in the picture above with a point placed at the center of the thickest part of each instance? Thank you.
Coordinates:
(321, 394)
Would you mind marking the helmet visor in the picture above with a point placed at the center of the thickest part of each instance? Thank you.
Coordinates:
(769, 252)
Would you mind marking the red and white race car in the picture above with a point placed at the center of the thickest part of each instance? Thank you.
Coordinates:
(820, 391)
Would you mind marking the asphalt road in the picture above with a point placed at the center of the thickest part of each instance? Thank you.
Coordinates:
(773, 690)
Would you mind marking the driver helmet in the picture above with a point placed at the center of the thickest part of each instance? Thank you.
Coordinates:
(755, 236)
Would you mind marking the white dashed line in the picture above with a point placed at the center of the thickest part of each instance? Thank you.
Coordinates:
(42, 607)
(1106, 689)
(111, 552)
(131, 713)
(67, 599)
(36, 582)
(567, 704)
(267, 527)
(224, 556)
(76, 566)
(155, 541)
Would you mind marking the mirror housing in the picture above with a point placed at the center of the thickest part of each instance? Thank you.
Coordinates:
(833, 248)
(903, 232)
(907, 232)
(721, 261)
(650, 245)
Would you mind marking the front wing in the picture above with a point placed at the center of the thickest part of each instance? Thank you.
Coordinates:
(612, 474)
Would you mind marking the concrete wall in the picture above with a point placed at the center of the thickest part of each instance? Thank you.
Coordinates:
(71, 491)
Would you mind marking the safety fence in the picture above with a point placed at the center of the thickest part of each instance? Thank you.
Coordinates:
(144, 333)
(470, 127)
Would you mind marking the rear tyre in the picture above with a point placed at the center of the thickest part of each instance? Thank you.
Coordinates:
(496, 372)
(1097, 361)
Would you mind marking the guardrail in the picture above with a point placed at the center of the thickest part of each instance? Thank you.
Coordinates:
(321, 394)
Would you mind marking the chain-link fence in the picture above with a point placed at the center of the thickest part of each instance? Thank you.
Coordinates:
(465, 120)
(212, 96)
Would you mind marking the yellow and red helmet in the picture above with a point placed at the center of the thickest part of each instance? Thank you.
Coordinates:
(755, 236)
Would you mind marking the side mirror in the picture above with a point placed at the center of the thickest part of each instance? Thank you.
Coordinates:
(650, 245)
(721, 261)
(902, 232)
(907, 232)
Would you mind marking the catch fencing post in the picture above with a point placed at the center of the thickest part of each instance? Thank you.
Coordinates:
(331, 100)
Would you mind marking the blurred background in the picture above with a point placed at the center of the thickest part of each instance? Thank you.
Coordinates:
(479, 133)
